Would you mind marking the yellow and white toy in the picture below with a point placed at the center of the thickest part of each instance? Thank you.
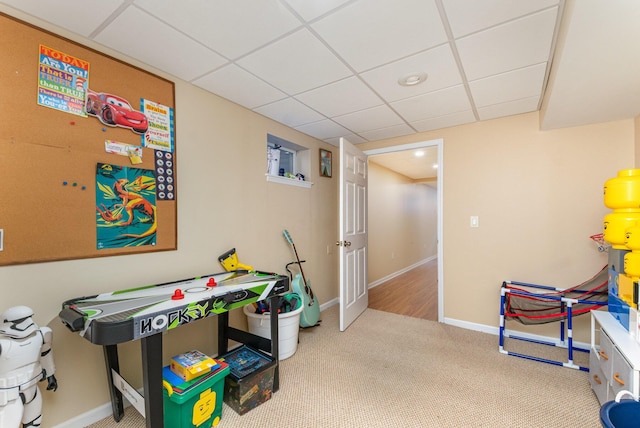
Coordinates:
(230, 263)
(26, 358)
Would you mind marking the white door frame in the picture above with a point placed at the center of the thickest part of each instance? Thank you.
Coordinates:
(429, 143)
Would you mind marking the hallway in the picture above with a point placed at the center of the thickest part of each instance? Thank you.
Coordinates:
(414, 293)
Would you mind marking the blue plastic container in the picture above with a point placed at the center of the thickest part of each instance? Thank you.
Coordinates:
(623, 414)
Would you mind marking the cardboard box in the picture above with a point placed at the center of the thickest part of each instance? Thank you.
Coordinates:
(250, 379)
(191, 365)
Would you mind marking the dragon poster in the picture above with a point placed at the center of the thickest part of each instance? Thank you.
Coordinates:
(125, 206)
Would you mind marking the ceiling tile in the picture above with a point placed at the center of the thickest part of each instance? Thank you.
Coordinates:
(296, 63)
(446, 121)
(323, 129)
(290, 111)
(438, 63)
(515, 85)
(516, 44)
(352, 138)
(390, 132)
(64, 13)
(373, 118)
(374, 32)
(595, 75)
(433, 104)
(235, 84)
(253, 23)
(158, 45)
(341, 97)
(310, 10)
(523, 105)
(466, 17)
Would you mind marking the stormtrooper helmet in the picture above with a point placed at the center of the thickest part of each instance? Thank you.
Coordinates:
(17, 322)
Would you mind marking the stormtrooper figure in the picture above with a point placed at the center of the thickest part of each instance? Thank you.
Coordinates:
(25, 359)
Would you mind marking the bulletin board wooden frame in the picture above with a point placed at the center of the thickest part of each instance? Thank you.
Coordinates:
(49, 157)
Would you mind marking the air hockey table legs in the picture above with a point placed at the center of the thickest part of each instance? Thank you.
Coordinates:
(111, 360)
(151, 347)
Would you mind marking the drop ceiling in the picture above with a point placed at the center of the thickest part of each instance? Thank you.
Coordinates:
(331, 68)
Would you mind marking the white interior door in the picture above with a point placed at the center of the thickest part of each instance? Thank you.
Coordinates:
(354, 295)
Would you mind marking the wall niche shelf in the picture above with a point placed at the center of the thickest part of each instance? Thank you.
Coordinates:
(288, 181)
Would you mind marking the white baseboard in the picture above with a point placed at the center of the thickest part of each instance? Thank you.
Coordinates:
(496, 331)
(400, 272)
(330, 303)
(88, 418)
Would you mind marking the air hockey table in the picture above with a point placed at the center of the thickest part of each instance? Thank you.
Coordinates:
(143, 313)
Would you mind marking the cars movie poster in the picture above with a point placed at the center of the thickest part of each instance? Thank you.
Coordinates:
(113, 110)
(62, 81)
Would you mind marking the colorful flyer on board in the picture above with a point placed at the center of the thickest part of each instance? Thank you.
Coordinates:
(159, 136)
(63, 81)
(125, 206)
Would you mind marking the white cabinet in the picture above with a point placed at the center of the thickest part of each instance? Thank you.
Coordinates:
(614, 361)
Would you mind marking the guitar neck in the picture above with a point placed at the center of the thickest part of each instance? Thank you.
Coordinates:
(299, 264)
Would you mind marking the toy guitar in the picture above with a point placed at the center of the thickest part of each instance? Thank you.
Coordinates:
(310, 315)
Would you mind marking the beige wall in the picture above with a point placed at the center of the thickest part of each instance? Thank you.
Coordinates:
(538, 195)
(402, 222)
(224, 201)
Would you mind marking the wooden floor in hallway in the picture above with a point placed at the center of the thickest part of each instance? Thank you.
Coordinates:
(414, 293)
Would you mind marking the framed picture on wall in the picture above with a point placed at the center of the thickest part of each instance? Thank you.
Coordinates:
(325, 163)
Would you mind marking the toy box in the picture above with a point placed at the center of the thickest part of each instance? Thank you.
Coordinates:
(250, 380)
(192, 364)
(196, 403)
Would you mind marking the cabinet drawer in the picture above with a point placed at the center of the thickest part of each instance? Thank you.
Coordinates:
(599, 383)
(605, 354)
(621, 373)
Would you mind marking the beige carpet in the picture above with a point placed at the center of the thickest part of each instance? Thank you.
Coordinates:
(389, 370)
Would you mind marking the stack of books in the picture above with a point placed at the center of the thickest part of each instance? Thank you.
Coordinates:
(186, 371)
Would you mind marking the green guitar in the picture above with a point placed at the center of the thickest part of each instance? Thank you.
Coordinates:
(310, 315)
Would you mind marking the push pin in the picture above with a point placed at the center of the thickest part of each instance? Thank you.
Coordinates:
(212, 282)
(177, 295)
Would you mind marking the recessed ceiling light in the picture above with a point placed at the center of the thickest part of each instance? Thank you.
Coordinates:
(419, 153)
(412, 79)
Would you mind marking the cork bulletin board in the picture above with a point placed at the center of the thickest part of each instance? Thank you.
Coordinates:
(80, 176)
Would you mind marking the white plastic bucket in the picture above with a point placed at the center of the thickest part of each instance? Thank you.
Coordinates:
(288, 327)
